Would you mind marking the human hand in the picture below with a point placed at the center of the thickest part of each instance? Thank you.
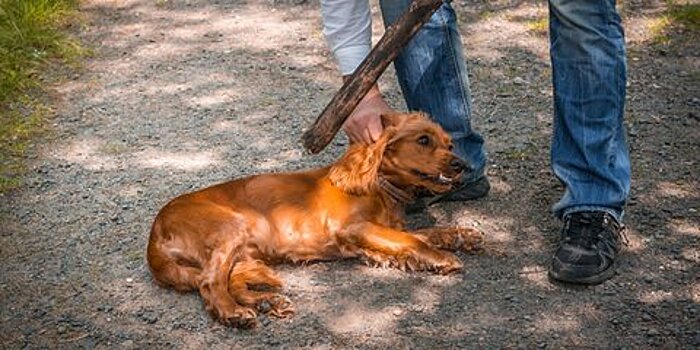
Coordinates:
(364, 124)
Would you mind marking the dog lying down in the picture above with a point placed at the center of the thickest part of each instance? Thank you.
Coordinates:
(222, 239)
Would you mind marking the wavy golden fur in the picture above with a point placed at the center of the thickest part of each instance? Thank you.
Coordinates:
(221, 240)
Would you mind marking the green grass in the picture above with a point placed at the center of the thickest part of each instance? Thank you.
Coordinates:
(684, 15)
(688, 15)
(32, 39)
(539, 26)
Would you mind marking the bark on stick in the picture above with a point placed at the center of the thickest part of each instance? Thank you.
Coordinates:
(354, 89)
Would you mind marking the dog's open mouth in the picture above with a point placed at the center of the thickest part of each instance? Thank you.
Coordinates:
(439, 179)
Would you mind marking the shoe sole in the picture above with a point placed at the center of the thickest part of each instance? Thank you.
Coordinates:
(461, 196)
(423, 203)
(590, 280)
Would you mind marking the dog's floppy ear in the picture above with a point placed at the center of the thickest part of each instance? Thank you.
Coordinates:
(356, 171)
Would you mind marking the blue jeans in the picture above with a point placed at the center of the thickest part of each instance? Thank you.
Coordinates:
(589, 153)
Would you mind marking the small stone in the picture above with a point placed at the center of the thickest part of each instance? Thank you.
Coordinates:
(397, 312)
(647, 317)
(129, 280)
(149, 317)
(264, 307)
(519, 81)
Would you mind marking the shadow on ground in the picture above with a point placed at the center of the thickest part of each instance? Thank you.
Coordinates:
(184, 94)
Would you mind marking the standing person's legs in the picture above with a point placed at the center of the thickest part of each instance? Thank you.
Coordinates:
(589, 152)
(433, 77)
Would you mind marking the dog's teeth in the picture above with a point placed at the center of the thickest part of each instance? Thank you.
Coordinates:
(443, 179)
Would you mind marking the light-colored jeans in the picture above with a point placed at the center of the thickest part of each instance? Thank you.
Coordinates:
(589, 152)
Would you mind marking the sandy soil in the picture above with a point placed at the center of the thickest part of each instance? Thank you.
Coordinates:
(182, 94)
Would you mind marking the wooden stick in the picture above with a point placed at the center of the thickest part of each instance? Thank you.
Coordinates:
(356, 87)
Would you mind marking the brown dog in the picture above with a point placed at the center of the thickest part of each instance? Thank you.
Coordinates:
(219, 240)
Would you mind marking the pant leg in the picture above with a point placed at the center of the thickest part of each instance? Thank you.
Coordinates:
(589, 151)
(432, 73)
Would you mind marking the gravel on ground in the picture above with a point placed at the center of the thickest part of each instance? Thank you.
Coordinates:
(182, 94)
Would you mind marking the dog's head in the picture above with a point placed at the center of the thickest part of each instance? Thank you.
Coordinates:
(413, 153)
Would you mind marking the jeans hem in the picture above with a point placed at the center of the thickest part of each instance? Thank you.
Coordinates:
(616, 214)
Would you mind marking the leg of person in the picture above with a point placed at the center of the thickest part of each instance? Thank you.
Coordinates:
(589, 151)
(432, 73)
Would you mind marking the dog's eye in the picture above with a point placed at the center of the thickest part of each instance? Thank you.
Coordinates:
(424, 140)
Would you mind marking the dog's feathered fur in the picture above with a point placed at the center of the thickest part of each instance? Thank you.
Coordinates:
(220, 240)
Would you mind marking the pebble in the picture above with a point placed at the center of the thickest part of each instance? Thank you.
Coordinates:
(264, 307)
(519, 81)
(149, 317)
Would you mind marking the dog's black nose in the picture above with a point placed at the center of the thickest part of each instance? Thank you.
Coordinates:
(457, 165)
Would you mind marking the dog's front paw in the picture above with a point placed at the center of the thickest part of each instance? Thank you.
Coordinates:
(278, 306)
(453, 238)
(471, 240)
(448, 264)
(240, 317)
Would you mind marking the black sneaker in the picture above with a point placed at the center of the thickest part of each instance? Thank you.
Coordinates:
(469, 191)
(590, 243)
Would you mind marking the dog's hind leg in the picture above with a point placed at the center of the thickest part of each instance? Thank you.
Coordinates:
(214, 289)
(248, 283)
(171, 267)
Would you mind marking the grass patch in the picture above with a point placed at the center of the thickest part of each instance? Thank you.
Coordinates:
(658, 29)
(678, 15)
(539, 26)
(522, 153)
(687, 15)
(113, 148)
(161, 3)
(17, 126)
(32, 37)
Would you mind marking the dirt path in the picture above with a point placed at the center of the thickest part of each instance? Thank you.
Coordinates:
(186, 93)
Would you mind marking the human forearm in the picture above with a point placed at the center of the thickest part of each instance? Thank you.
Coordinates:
(347, 27)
